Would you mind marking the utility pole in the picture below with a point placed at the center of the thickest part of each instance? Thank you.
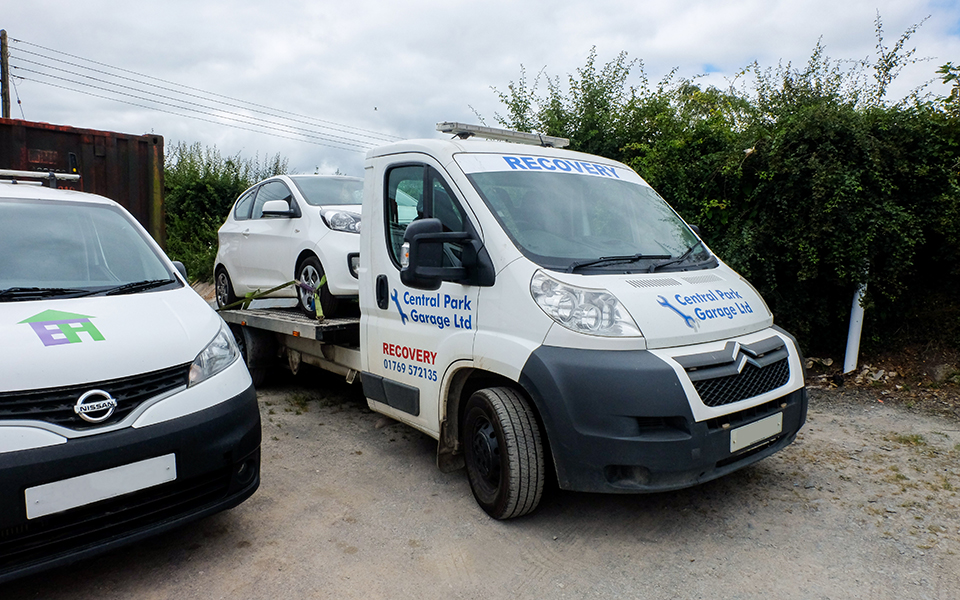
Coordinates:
(5, 73)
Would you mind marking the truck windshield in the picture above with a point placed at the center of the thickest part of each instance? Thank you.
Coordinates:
(61, 249)
(570, 221)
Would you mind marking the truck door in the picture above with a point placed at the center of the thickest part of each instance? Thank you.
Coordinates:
(414, 335)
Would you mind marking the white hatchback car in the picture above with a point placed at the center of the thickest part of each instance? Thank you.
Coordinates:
(292, 227)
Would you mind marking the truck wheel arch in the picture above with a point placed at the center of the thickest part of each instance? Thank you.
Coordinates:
(463, 383)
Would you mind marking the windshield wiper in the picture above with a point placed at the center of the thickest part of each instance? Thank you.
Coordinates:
(136, 286)
(30, 293)
(611, 260)
(680, 259)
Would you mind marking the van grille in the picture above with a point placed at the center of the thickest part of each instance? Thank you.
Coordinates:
(738, 372)
(753, 381)
(56, 405)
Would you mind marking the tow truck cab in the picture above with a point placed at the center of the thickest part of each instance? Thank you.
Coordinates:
(541, 310)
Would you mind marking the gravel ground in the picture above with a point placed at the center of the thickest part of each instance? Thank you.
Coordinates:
(351, 505)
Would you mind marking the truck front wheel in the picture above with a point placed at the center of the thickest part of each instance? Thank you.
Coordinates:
(503, 452)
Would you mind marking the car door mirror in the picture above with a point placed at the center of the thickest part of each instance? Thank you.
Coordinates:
(424, 250)
(278, 208)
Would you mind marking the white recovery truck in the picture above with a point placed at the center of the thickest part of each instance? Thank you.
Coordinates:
(544, 313)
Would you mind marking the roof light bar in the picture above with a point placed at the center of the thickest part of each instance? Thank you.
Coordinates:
(464, 131)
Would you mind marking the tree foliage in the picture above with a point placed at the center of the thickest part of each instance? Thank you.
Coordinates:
(200, 186)
(807, 180)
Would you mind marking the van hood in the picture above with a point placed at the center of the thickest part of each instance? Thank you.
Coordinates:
(679, 308)
(61, 342)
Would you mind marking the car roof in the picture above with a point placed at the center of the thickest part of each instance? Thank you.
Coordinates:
(30, 191)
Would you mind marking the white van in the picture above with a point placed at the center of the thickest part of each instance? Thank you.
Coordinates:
(124, 411)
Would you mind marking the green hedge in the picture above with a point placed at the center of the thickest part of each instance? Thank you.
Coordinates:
(806, 181)
(200, 186)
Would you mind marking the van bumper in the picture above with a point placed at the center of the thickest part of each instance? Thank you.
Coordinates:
(217, 467)
(620, 422)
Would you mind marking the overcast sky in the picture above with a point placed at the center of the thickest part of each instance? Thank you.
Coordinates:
(379, 69)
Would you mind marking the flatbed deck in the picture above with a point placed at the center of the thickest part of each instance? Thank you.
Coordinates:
(290, 321)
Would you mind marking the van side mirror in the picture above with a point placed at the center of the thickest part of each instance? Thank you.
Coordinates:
(696, 230)
(425, 239)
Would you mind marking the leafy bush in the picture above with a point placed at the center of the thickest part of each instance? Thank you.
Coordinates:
(806, 181)
(200, 186)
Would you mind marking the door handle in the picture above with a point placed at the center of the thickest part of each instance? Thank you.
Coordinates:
(246, 233)
(383, 292)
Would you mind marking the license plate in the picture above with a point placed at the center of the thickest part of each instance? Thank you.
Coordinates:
(748, 435)
(59, 496)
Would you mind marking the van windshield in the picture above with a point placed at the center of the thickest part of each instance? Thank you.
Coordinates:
(571, 221)
(64, 249)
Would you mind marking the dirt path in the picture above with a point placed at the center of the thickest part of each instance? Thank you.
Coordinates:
(864, 505)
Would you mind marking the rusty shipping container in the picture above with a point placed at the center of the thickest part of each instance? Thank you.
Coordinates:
(125, 168)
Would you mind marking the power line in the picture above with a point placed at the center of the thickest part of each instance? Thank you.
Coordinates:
(275, 113)
(21, 78)
(231, 115)
(360, 137)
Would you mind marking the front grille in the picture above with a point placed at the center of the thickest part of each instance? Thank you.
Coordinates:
(86, 527)
(56, 405)
(738, 372)
(753, 381)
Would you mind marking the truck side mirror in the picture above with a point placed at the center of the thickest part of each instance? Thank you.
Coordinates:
(424, 269)
(696, 230)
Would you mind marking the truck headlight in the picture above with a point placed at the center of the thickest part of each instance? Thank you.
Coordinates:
(584, 310)
(341, 220)
(217, 356)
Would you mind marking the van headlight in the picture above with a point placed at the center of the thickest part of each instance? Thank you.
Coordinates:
(217, 356)
(341, 220)
(584, 310)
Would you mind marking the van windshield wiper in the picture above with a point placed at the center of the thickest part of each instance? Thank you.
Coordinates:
(15, 294)
(136, 286)
(657, 266)
(611, 260)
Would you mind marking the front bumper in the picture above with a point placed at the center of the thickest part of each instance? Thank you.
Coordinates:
(621, 422)
(218, 466)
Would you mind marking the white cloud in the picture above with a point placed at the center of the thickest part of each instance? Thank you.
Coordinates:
(400, 67)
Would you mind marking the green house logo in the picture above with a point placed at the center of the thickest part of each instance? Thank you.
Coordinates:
(55, 327)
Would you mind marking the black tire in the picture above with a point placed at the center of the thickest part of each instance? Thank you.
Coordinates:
(310, 272)
(259, 374)
(224, 288)
(503, 452)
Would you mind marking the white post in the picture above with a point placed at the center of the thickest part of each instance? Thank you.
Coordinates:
(853, 334)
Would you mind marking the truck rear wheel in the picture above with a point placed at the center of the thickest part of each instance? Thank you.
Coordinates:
(503, 452)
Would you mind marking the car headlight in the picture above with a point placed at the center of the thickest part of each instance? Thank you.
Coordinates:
(584, 310)
(341, 220)
(217, 356)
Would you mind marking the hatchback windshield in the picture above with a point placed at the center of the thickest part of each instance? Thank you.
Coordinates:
(50, 249)
(573, 221)
(330, 191)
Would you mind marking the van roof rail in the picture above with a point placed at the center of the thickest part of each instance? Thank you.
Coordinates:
(463, 131)
(48, 178)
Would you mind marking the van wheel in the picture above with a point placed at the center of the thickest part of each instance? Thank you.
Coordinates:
(310, 272)
(224, 288)
(503, 452)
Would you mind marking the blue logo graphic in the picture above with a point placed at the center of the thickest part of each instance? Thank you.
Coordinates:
(690, 321)
(396, 300)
